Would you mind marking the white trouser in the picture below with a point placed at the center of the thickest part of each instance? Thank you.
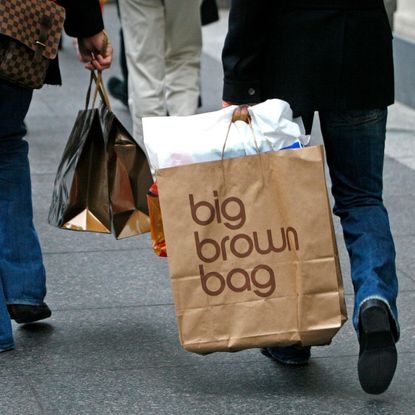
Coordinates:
(163, 42)
(390, 6)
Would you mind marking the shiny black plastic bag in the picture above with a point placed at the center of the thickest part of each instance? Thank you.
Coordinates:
(103, 176)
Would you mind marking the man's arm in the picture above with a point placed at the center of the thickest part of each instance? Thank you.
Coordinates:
(83, 17)
(84, 21)
(243, 50)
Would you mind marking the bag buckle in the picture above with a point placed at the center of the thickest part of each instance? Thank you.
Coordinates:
(45, 25)
(40, 44)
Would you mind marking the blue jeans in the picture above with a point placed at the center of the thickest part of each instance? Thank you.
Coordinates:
(355, 144)
(22, 274)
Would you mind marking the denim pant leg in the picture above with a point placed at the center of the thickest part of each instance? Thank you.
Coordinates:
(355, 143)
(22, 274)
(6, 336)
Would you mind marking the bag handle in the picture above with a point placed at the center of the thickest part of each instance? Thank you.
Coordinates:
(102, 90)
(99, 89)
(88, 93)
(240, 114)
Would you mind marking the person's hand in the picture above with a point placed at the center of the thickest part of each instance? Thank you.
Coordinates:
(241, 113)
(227, 104)
(95, 51)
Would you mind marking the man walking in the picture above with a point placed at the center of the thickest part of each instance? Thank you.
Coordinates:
(163, 43)
(334, 57)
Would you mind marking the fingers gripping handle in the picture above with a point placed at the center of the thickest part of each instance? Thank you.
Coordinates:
(240, 113)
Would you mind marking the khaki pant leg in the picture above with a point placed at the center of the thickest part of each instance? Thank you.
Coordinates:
(390, 6)
(144, 27)
(183, 52)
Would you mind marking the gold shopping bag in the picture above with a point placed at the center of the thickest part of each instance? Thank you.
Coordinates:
(103, 176)
(129, 179)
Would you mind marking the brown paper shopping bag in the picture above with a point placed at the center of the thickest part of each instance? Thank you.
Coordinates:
(252, 255)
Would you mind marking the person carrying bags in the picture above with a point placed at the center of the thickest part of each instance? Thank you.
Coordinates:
(334, 57)
(22, 273)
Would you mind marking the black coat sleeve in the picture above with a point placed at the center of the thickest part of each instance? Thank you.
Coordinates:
(243, 52)
(83, 17)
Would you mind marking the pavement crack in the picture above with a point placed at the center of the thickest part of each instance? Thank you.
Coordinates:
(65, 309)
(95, 251)
(26, 379)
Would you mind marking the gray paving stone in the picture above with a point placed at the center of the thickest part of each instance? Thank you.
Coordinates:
(398, 179)
(56, 240)
(42, 189)
(400, 144)
(103, 279)
(17, 397)
(327, 386)
(46, 144)
(406, 281)
(405, 255)
(99, 339)
(400, 117)
(401, 214)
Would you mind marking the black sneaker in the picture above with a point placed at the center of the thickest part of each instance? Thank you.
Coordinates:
(291, 355)
(118, 89)
(23, 313)
(378, 357)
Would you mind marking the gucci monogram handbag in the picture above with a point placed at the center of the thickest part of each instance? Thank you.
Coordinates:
(30, 31)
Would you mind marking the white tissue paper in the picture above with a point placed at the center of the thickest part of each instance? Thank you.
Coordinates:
(174, 141)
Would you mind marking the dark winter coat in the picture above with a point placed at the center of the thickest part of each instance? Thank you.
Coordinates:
(83, 19)
(315, 54)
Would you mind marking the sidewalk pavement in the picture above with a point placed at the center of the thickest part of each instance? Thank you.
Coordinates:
(111, 346)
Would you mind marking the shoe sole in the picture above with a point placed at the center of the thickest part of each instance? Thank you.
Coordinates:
(284, 362)
(32, 320)
(378, 358)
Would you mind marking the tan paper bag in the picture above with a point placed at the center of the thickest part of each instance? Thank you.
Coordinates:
(252, 254)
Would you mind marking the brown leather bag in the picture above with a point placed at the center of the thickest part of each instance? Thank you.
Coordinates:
(30, 31)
